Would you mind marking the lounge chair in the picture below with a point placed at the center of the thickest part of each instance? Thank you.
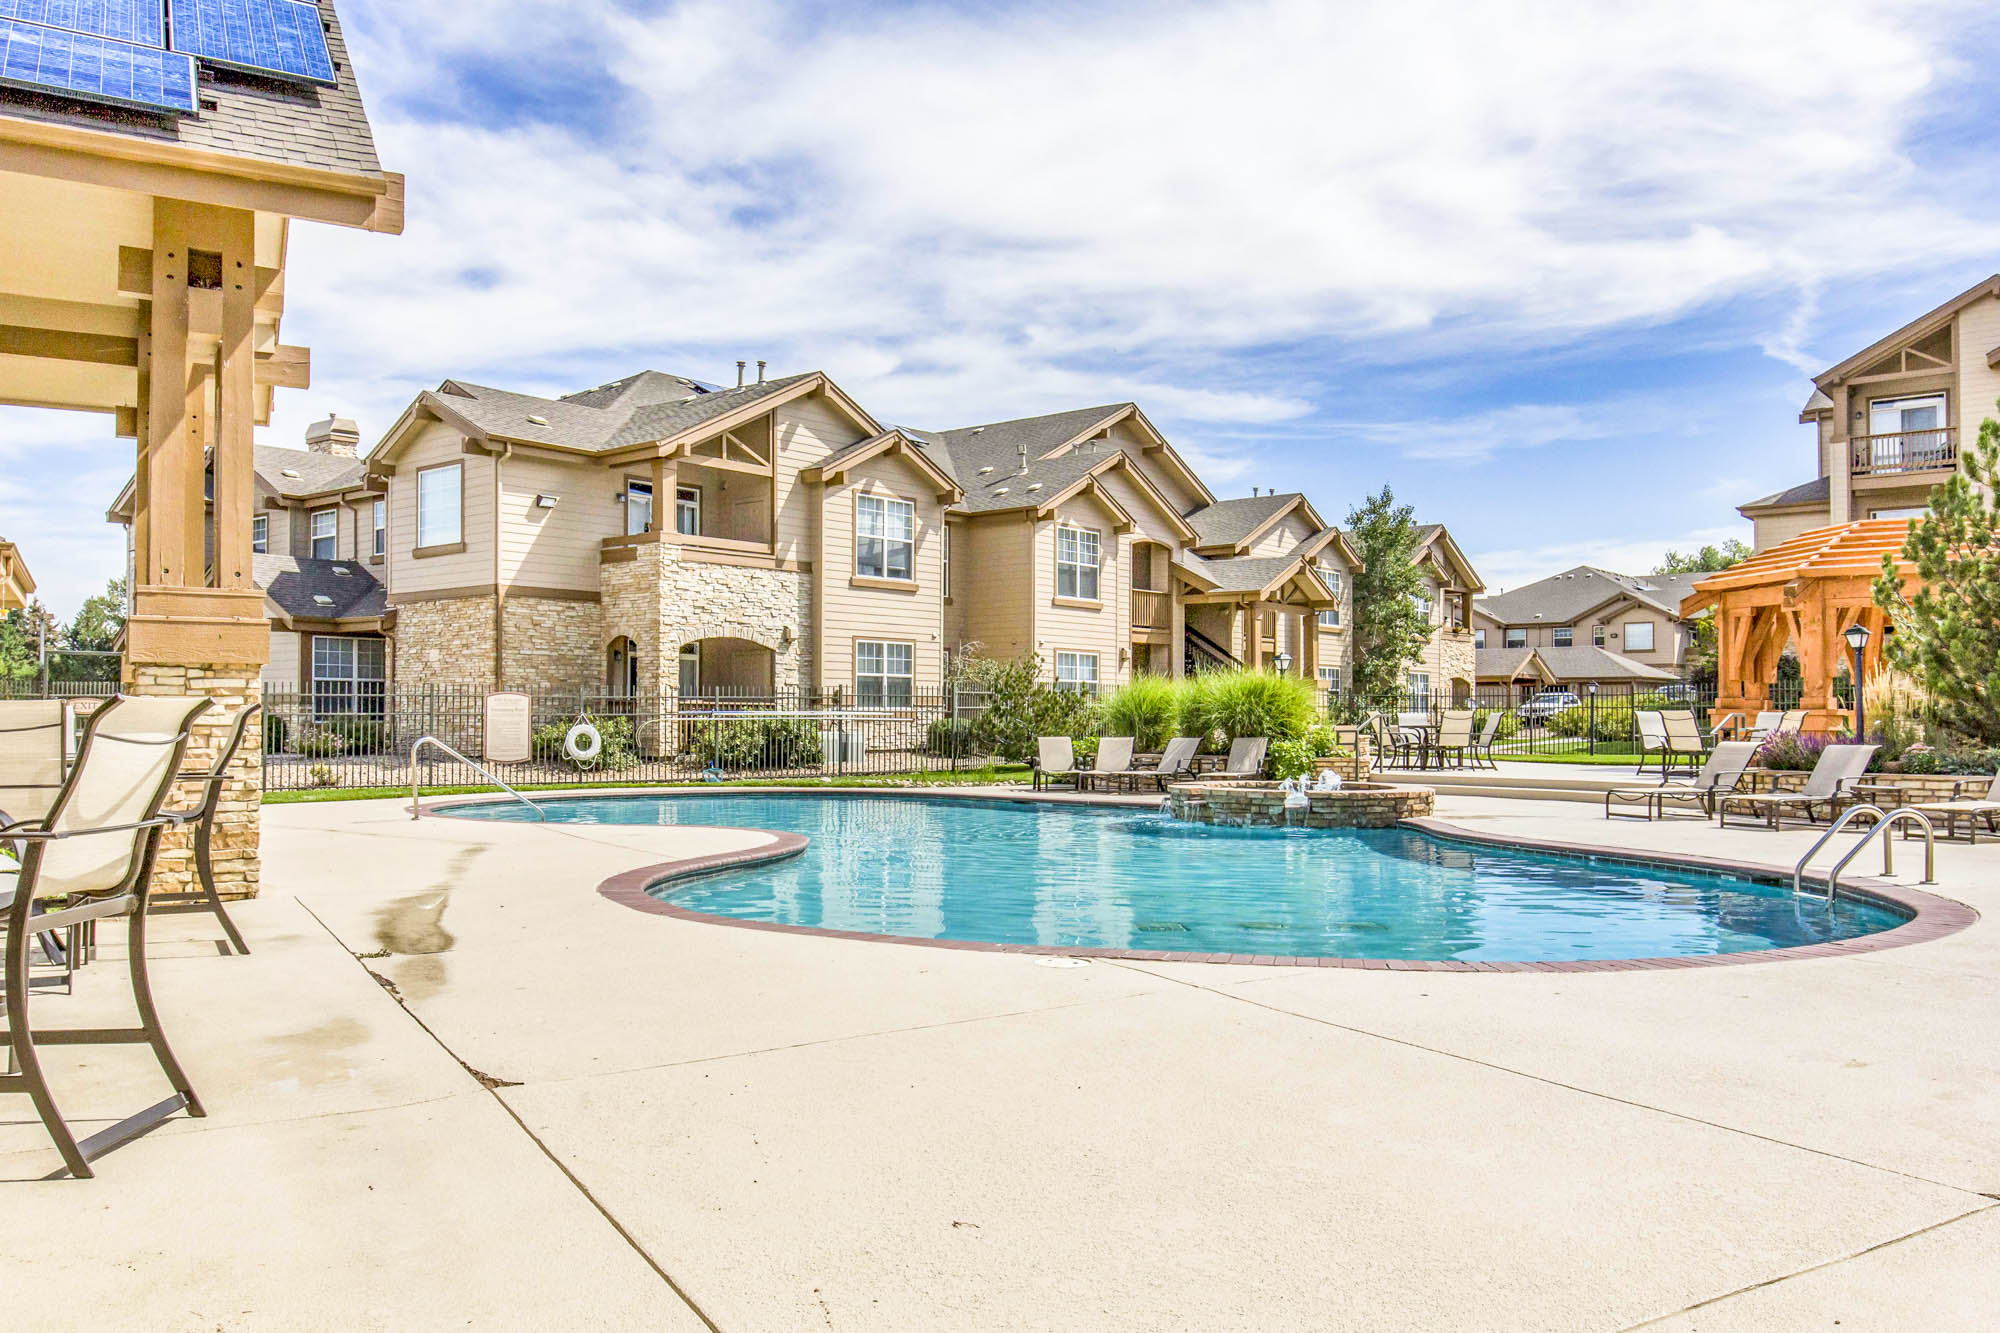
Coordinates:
(202, 816)
(1718, 777)
(1055, 761)
(94, 852)
(1684, 742)
(1246, 758)
(1839, 768)
(1967, 807)
(1176, 763)
(1652, 740)
(1739, 730)
(31, 757)
(1454, 736)
(1113, 762)
(1482, 748)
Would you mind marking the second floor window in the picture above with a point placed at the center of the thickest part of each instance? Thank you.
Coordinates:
(638, 507)
(260, 533)
(1517, 638)
(1639, 636)
(440, 518)
(885, 537)
(687, 510)
(380, 546)
(1077, 563)
(1597, 636)
(1478, 639)
(1422, 601)
(1562, 636)
(1329, 679)
(325, 534)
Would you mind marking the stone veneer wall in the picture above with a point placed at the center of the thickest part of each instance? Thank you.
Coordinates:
(448, 642)
(552, 644)
(662, 602)
(234, 847)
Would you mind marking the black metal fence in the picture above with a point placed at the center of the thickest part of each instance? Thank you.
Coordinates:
(312, 741)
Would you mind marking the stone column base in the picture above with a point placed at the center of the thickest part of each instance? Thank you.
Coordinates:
(234, 848)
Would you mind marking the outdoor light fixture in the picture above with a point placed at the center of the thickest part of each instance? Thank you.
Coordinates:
(1283, 661)
(545, 502)
(1857, 639)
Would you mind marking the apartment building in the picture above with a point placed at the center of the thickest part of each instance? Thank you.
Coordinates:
(1584, 626)
(1890, 420)
(17, 585)
(663, 534)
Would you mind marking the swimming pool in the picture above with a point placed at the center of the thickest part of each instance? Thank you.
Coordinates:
(1068, 876)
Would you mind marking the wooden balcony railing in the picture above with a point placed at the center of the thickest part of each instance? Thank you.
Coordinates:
(1905, 451)
(1150, 610)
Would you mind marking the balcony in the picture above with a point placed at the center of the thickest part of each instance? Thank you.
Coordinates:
(1904, 452)
(1151, 611)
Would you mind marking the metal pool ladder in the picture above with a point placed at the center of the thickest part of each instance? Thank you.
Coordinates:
(1884, 822)
(416, 803)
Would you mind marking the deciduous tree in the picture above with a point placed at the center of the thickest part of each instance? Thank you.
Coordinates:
(1390, 630)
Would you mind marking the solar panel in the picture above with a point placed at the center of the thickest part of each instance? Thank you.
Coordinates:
(281, 38)
(141, 22)
(73, 64)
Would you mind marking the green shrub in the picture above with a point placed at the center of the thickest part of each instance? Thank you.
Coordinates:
(1233, 704)
(276, 729)
(319, 741)
(1020, 706)
(1510, 723)
(948, 737)
(776, 742)
(322, 776)
(616, 749)
(1147, 709)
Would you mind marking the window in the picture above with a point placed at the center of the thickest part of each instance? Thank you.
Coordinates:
(1330, 616)
(638, 507)
(380, 546)
(1077, 568)
(1077, 672)
(1422, 601)
(1478, 639)
(1921, 511)
(687, 510)
(1516, 638)
(1420, 691)
(1906, 434)
(1639, 636)
(883, 672)
(439, 513)
(947, 561)
(347, 675)
(885, 537)
(1562, 636)
(260, 533)
(1597, 636)
(1329, 679)
(325, 534)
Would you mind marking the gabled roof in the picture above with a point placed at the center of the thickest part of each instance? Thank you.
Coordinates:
(1585, 663)
(1507, 664)
(1235, 524)
(289, 474)
(1263, 574)
(1059, 449)
(1917, 328)
(1563, 599)
(297, 587)
(1806, 493)
(1435, 537)
(894, 441)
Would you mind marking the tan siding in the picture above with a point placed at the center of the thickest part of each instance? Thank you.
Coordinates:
(440, 443)
(1103, 630)
(1289, 532)
(1776, 529)
(847, 612)
(808, 430)
(992, 580)
(283, 666)
(557, 548)
(1979, 383)
(1178, 493)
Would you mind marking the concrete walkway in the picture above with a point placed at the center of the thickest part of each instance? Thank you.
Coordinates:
(454, 1086)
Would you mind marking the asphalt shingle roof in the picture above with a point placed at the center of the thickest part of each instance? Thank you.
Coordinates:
(265, 119)
(1227, 522)
(1561, 598)
(636, 410)
(1808, 493)
(1584, 663)
(296, 586)
(1246, 573)
(312, 474)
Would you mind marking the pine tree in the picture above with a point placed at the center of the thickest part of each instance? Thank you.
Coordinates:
(1948, 632)
(1389, 630)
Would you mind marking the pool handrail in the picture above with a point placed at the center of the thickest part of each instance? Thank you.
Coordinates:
(416, 801)
(1884, 820)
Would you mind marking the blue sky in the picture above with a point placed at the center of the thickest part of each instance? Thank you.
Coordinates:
(1558, 274)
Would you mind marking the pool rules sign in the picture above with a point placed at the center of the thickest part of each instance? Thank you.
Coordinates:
(510, 731)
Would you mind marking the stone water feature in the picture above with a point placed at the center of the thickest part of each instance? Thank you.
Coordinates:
(1254, 804)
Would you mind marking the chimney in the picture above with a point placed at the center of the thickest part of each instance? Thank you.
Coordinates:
(336, 435)
(739, 373)
(760, 372)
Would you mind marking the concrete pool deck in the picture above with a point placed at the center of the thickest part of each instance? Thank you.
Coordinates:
(457, 1086)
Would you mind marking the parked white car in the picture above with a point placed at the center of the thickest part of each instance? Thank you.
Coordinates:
(1546, 705)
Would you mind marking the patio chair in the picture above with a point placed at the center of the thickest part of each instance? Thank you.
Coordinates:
(1839, 768)
(1739, 730)
(1652, 740)
(1718, 777)
(1175, 763)
(202, 816)
(1454, 736)
(31, 773)
(1113, 762)
(1684, 742)
(1966, 807)
(1246, 757)
(1055, 759)
(1412, 731)
(93, 853)
(1482, 747)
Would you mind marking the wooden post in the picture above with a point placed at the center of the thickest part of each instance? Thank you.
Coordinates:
(1840, 483)
(1176, 627)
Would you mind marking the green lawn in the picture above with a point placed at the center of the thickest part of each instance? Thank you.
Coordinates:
(970, 777)
(1628, 760)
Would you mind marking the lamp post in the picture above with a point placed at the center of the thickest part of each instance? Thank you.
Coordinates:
(1857, 639)
(1283, 661)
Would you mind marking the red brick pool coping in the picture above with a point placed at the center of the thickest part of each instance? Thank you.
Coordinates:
(1931, 917)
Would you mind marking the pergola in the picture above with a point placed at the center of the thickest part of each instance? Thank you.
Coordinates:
(1806, 592)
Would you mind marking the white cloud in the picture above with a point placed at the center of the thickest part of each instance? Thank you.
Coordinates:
(59, 472)
(1481, 435)
(1621, 553)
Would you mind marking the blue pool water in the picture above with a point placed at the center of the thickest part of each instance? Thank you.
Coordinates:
(1019, 873)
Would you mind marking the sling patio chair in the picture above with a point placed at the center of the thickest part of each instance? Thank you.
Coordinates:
(89, 858)
(1113, 762)
(1055, 761)
(1482, 747)
(1652, 740)
(1246, 758)
(1176, 763)
(31, 773)
(1830, 784)
(1684, 743)
(1454, 737)
(1718, 777)
(1964, 805)
(202, 816)
(1740, 730)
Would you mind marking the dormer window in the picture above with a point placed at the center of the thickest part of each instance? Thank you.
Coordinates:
(325, 534)
(260, 533)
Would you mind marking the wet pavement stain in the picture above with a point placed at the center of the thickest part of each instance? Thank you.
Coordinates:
(413, 928)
